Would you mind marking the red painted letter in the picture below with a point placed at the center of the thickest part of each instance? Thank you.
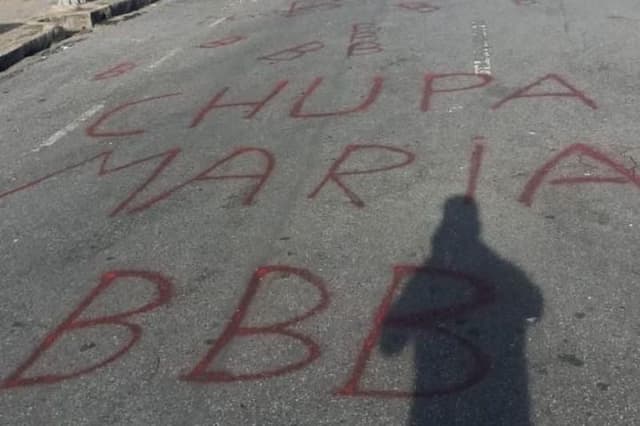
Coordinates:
(92, 130)
(256, 106)
(204, 175)
(475, 163)
(222, 42)
(334, 173)
(418, 6)
(74, 322)
(364, 48)
(579, 150)
(430, 78)
(235, 328)
(296, 110)
(121, 68)
(293, 52)
(522, 93)
(364, 39)
(423, 320)
(299, 7)
(165, 158)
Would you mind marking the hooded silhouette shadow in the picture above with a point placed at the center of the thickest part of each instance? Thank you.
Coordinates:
(465, 311)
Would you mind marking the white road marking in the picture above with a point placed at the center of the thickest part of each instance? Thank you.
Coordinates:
(219, 21)
(481, 49)
(69, 127)
(159, 62)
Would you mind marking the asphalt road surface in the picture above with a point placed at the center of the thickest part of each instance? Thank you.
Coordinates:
(325, 212)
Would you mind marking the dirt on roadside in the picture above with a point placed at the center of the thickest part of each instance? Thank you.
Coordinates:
(13, 11)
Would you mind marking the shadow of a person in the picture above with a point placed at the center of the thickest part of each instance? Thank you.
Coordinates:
(465, 311)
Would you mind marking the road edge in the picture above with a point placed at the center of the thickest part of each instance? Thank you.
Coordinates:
(38, 34)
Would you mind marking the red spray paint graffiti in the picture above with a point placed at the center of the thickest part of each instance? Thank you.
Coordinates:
(93, 131)
(296, 110)
(433, 84)
(205, 175)
(364, 39)
(300, 7)
(483, 295)
(115, 71)
(235, 328)
(430, 78)
(576, 150)
(293, 52)
(474, 170)
(75, 322)
(165, 159)
(524, 92)
(212, 44)
(334, 174)
(256, 106)
(418, 6)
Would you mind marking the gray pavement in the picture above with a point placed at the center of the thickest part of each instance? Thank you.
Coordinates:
(310, 260)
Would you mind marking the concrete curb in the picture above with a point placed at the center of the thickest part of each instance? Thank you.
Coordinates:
(37, 35)
(26, 40)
